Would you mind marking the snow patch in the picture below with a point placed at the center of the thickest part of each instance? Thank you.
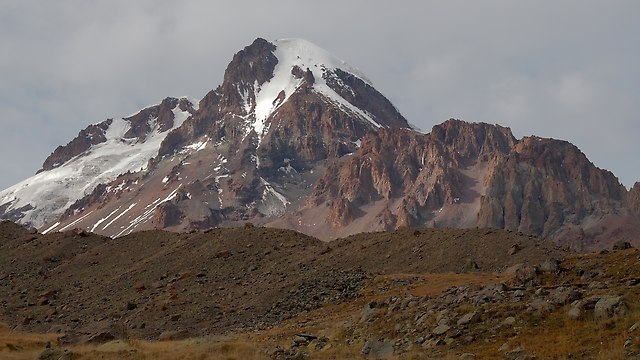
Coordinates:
(119, 216)
(200, 145)
(149, 210)
(51, 228)
(269, 189)
(99, 222)
(76, 221)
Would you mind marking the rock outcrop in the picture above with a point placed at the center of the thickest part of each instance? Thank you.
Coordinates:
(633, 199)
(543, 184)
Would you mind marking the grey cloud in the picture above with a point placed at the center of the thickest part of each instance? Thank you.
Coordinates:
(558, 69)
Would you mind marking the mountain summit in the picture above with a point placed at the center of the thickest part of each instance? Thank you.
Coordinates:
(296, 138)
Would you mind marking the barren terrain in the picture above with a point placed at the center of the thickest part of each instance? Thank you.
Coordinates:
(258, 293)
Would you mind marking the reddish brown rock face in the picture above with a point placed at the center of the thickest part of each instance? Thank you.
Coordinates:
(543, 184)
(413, 176)
(634, 199)
(92, 135)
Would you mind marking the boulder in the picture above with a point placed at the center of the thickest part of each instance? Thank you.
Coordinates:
(609, 306)
(574, 313)
(100, 338)
(622, 245)
(510, 321)
(377, 349)
(564, 295)
(551, 266)
(524, 275)
(469, 318)
(470, 266)
(441, 329)
(367, 312)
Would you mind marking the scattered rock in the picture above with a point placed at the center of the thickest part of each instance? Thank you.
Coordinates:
(470, 266)
(140, 287)
(469, 318)
(628, 343)
(367, 311)
(468, 356)
(516, 354)
(574, 313)
(100, 338)
(56, 354)
(564, 295)
(540, 306)
(377, 349)
(609, 306)
(622, 245)
(319, 344)
(515, 248)
(303, 339)
(441, 329)
(173, 335)
(510, 321)
(551, 266)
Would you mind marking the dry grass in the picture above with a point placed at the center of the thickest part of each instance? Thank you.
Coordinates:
(426, 284)
(330, 320)
(15, 345)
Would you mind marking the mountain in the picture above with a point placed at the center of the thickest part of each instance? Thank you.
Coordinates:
(98, 155)
(296, 138)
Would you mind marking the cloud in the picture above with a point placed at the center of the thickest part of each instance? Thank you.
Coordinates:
(574, 92)
(559, 69)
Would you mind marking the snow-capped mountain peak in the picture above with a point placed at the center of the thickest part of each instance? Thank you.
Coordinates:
(297, 62)
(252, 149)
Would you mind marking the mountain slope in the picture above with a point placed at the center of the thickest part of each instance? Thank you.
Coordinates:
(98, 155)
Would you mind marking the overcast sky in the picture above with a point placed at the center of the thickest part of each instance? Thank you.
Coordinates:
(563, 69)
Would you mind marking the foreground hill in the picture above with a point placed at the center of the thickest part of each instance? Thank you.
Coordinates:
(257, 293)
(224, 279)
(296, 138)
